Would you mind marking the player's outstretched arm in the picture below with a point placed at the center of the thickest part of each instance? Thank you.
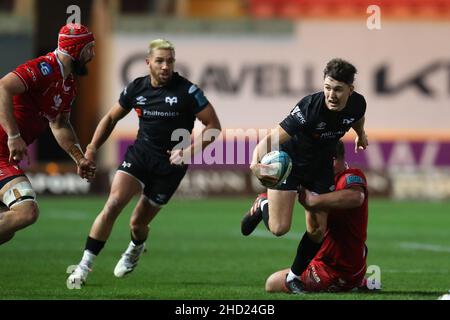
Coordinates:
(65, 136)
(11, 85)
(350, 198)
(104, 129)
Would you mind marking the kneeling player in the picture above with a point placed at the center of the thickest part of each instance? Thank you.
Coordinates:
(340, 264)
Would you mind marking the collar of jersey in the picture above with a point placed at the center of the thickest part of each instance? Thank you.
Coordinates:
(61, 67)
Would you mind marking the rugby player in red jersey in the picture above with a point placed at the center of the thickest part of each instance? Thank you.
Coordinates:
(340, 264)
(35, 95)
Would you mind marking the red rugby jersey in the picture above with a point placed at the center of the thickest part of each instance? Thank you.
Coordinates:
(47, 94)
(344, 247)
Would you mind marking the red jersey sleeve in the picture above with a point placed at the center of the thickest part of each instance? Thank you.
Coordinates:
(68, 107)
(35, 74)
(350, 178)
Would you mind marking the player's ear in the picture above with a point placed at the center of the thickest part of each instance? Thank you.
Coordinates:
(147, 61)
(352, 87)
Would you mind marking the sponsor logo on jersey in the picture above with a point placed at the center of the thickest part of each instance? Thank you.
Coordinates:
(192, 89)
(332, 134)
(126, 164)
(57, 101)
(138, 111)
(141, 100)
(314, 274)
(297, 113)
(171, 100)
(354, 180)
(45, 68)
(348, 121)
(32, 73)
(161, 198)
(66, 89)
(321, 126)
(154, 113)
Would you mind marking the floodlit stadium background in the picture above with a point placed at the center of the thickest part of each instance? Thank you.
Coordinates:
(255, 59)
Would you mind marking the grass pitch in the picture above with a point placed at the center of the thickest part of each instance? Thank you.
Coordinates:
(195, 251)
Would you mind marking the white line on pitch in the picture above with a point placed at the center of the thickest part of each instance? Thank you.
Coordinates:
(424, 246)
(292, 235)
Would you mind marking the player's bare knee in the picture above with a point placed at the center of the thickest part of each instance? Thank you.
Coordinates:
(279, 229)
(270, 285)
(113, 207)
(33, 214)
(27, 213)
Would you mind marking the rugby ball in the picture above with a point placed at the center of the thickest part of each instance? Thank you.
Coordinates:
(279, 166)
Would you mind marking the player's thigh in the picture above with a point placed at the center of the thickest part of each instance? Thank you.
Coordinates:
(124, 186)
(319, 277)
(276, 281)
(144, 212)
(281, 206)
(19, 199)
(10, 175)
(3, 209)
(160, 188)
(15, 190)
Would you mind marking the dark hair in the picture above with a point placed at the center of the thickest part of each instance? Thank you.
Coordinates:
(340, 150)
(340, 70)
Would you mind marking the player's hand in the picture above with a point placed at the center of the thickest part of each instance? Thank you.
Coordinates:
(305, 197)
(17, 150)
(264, 172)
(177, 157)
(361, 142)
(86, 169)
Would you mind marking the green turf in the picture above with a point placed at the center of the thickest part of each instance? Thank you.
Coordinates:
(195, 251)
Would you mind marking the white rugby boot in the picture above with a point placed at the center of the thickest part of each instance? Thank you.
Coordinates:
(78, 277)
(129, 260)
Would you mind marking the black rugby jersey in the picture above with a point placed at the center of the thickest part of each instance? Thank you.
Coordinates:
(315, 129)
(162, 110)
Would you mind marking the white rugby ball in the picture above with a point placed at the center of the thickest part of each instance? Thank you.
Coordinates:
(279, 166)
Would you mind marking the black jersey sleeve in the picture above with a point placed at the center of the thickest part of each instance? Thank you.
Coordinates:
(362, 105)
(297, 120)
(198, 98)
(126, 96)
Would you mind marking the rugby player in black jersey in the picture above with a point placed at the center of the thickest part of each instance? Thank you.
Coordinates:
(309, 134)
(164, 102)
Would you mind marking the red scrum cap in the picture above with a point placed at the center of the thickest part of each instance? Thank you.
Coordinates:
(72, 39)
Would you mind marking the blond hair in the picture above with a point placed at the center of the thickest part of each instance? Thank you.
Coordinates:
(160, 44)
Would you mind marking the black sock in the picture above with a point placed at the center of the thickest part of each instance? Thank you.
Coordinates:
(306, 251)
(94, 246)
(265, 215)
(137, 242)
